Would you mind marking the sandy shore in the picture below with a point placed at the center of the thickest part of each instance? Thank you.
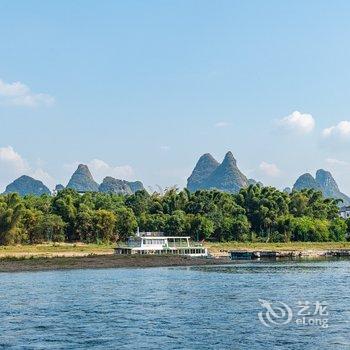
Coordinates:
(103, 261)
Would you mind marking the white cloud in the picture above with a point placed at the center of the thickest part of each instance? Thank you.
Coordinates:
(165, 148)
(301, 123)
(100, 169)
(221, 124)
(13, 165)
(10, 159)
(19, 94)
(333, 161)
(341, 131)
(43, 176)
(13, 89)
(269, 169)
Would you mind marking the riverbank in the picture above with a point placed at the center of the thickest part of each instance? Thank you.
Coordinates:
(82, 256)
(103, 262)
(51, 250)
(223, 248)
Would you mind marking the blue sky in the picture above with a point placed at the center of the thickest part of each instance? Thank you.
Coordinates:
(140, 89)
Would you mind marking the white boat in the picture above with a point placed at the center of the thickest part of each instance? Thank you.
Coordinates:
(157, 244)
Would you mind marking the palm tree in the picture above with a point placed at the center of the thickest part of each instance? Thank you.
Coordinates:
(11, 209)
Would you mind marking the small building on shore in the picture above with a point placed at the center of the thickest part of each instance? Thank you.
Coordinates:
(345, 212)
(155, 243)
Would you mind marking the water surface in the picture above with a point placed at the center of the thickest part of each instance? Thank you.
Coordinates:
(211, 307)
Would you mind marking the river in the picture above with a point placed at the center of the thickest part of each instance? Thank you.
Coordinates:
(246, 305)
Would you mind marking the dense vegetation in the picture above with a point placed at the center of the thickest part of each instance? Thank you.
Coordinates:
(256, 214)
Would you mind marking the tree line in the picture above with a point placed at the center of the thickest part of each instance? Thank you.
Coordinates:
(255, 214)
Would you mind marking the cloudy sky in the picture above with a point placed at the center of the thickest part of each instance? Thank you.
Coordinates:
(140, 89)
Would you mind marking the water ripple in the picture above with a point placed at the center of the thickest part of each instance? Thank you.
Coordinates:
(211, 307)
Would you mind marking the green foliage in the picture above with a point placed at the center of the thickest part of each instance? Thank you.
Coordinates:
(50, 227)
(201, 227)
(30, 221)
(337, 230)
(65, 205)
(104, 225)
(84, 225)
(176, 224)
(310, 230)
(11, 210)
(125, 223)
(348, 229)
(256, 214)
(153, 222)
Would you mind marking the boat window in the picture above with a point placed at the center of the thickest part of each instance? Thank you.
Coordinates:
(154, 241)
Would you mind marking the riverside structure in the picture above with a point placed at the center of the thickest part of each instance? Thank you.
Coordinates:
(157, 243)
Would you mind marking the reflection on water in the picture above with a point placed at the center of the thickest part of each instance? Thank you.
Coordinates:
(210, 307)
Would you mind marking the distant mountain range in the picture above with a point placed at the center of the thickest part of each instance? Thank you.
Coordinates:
(27, 185)
(81, 181)
(209, 173)
(111, 185)
(323, 182)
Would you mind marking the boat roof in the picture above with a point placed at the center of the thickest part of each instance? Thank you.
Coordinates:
(165, 237)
